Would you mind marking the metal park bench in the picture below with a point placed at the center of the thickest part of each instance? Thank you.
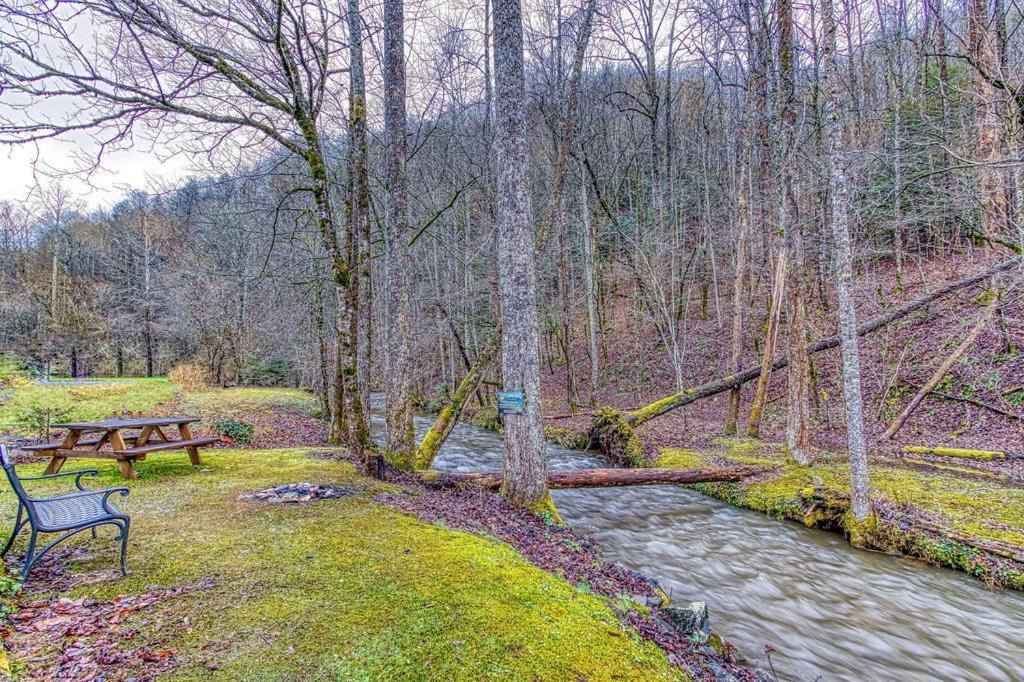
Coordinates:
(69, 513)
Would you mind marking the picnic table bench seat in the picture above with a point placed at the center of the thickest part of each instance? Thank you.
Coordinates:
(169, 445)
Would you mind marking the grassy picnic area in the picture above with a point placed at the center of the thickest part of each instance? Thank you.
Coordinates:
(224, 587)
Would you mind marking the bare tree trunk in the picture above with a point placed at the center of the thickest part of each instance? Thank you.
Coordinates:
(840, 195)
(589, 225)
(798, 403)
(525, 481)
(743, 188)
(768, 354)
(995, 205)
(399, 445)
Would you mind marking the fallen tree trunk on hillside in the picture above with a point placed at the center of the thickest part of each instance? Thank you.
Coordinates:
(937, 376)
(450, 413)
(612, 430)
(592, 478)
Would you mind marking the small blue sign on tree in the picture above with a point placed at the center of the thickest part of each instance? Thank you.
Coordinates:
(510, 402)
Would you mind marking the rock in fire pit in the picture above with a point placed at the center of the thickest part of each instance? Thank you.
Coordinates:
(291, 493)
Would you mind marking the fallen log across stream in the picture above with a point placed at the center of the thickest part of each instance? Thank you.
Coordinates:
(591, 478)
(612, 430)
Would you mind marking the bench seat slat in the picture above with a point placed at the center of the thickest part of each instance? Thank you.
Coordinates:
(169, 445)
(54, 446)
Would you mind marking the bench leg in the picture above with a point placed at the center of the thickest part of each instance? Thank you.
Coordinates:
(18, 525)
(55, 464)
(193, 456)
(127, 470)
(124, 545)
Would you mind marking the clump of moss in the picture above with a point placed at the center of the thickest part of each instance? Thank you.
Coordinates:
(678, 458)
(567, 438)
(614, 435)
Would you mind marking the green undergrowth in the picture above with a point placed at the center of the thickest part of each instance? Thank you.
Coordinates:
(30, 407)
(970, 507)
(340, 589)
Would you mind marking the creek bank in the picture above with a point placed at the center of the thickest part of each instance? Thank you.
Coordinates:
(683, 632)
(897, 526)
(932, 516)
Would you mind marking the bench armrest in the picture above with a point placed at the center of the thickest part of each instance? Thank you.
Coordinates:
(106, 498)
(77, 474)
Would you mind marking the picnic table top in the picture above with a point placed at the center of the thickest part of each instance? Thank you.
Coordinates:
(115, 424)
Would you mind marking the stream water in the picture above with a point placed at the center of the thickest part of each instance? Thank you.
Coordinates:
(831, 611)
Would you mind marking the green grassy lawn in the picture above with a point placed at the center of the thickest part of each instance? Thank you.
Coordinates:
(333, 589)
(961, 500)
(30, 407)
(341, 589)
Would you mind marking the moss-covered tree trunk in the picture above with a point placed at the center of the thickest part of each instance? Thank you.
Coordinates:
(357, 374)
(452, 411)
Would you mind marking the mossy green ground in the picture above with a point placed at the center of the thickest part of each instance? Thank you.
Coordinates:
(337, 589)
(970, 506)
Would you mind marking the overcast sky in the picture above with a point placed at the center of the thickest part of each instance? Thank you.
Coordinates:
(121, 171)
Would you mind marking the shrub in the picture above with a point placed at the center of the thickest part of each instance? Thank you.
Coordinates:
(271, 371)
(238, 431)
(40, 410)
(191, 376)
(487, 418)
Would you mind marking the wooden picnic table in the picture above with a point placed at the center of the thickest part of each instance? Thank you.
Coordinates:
(123, 440)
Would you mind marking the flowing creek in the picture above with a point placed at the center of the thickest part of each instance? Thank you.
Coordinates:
(832, 612)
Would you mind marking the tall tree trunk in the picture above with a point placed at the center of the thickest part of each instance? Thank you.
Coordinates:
(399, 445)
(358, 374)
(798, 394)
(589, 225)
(995, 205)
(742, 227)
(840, 197)
(525, 481)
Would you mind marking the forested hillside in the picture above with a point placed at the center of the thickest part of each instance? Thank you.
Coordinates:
(675, 152)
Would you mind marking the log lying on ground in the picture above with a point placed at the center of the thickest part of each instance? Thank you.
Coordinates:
(688, 396)
(937, 376)
(982, 455)
(592, 478)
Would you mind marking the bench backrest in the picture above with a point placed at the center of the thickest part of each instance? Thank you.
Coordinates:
(12, 475)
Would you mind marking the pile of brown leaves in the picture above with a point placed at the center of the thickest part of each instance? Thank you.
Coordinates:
(91, 639)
